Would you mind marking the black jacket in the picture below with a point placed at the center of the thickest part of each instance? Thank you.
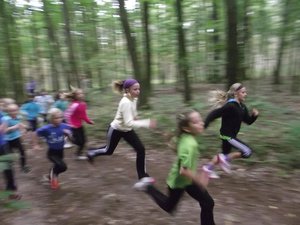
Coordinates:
(232, 114)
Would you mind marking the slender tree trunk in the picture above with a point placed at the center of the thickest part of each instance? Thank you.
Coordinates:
(216, 42)
(69, 43)
(245, 43)
(182, 58)
(56, 58)
(147, 42)
(13, 50)
(232, 47)
(131, 42)
(276, 72)
(36, 58)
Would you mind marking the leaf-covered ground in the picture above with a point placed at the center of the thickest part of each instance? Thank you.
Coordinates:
(103, 194)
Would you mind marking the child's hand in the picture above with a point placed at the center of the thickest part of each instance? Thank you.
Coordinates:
(255, 112)
(67, 132)
(153, 123)
(202, 179)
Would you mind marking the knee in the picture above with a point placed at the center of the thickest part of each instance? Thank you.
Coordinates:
(141, 151)
(169, 209)
(63, 168)
(208, 204)
(247, 154)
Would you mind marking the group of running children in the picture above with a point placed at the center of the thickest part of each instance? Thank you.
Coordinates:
(65, 120)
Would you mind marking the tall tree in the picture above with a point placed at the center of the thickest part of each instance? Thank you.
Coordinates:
(56, 59)
(183, 67)
(282, 42)
(13, 49)
(132, 49)
(131, 42)
(147, 43)
(69, 43)
(232, 47)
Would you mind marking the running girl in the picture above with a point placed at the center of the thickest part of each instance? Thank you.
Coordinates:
(233, 112)
(183, 176)
(123, 126)
(74, 115)
(55, 133)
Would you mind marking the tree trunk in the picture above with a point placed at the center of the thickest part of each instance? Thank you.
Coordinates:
(245, 48)
(232, 47)
(276, 72)
(131, 42)
(56, 59)
(13, 50)
(147, 42)
(182, 58)
(216, 42)
(69, 43)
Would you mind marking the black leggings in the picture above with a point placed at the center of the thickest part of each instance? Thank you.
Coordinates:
(79, 139)
(8, 172)
(242, 147)
(169, 203)
(17, 143)
(113, 138)
(56, 156)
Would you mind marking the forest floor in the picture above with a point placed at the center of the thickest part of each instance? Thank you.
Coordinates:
(102, 194)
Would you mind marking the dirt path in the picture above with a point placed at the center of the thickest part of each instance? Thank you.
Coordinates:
(103, 194)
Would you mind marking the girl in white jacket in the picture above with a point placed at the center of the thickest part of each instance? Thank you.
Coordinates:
(123, 127)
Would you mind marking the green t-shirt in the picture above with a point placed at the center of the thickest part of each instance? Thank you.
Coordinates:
(187, 156)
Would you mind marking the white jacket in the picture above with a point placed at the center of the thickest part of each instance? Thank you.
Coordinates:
(125, 119)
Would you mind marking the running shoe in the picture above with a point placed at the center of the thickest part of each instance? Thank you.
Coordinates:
(224, 164)
(211, 173)
(143, 183)
(53, 180)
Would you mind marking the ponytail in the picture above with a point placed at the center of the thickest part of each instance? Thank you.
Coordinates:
(217, 98)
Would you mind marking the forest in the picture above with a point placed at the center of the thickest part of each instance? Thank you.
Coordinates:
(178, 50)
(58, 43)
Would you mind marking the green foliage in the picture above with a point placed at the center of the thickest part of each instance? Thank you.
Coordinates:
(290, 153)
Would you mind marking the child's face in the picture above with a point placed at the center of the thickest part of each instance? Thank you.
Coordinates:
(196, 124)
(241, 94)
(57, 119)
(79, 95)
(13, 111)
(134, 90)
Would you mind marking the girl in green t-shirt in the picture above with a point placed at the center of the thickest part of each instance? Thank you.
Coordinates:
(183, 175)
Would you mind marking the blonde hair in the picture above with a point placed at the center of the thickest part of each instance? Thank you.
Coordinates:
(52, 112)
(72, 95)
(217, 98)
(183, 120)
(4, 102)
(117, 86)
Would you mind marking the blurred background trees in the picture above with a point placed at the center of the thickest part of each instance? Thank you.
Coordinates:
(59, 43)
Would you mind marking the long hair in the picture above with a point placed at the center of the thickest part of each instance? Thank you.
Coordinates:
(117, 86)
(217, 98)
(72, 95)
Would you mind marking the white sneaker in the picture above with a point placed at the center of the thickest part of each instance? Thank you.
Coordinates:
(143, 183)
(68, 145)
(224, 164)
(211, 173)
(81, 157)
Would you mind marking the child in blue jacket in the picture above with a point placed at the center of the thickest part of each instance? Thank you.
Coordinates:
(55, 133)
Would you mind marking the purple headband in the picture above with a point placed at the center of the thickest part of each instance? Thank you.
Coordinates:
(128, 83)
